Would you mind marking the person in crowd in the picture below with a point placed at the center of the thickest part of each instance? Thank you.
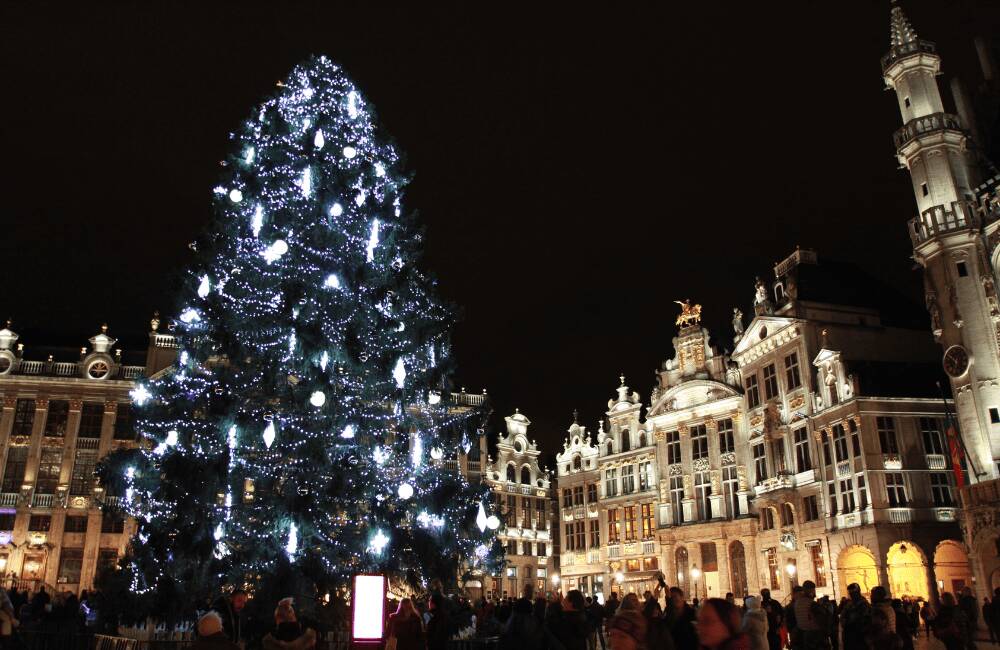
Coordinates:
(651, 604)
(569, 626)
(612, 605)
(719, 626)
(595, 618)
(437, 622)
(855, 615)
(950, 624)
(775, 619)
(288, 633)
(902, 624)
(755, 624)
(811, 619)
(680, 620)
(406, 627)
(967, 603)
(627, 629)
(211, 635)
(927, 614)
(791, 628)
(880, 601)
(988, 619)
(523, 631)
(231, 609)
(730, 598)
(879, 636)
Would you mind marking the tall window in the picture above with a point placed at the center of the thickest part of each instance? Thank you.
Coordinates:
(540, 506)
(112, 523)
(124, 425)
(630, 523)
(511, 473)
(91, 420)
(511, 509)
(840, 442)
(628, 479)
(591, 492)
(930, 431)
(581, 536)
(626, 440)
(862, 492)
(578, 495)
(595, 533)
(825, 437)
(567, 498)
(803, 462)
(753, 391)
(895, 489)
(648, 523)
(24, 417)
(614, 526)
(611, 482)
(570, 539)
(48, 470)
(526, 503)
(767, 518)
(792, 378)
(611, 448)
(847, 495)
(770, 382)
(787, 515)
(811, 506)
(58, 416)
(39, 523)
(833, 498)
(525, 476)
(702, 492)
(886, 428)
(726, 442)
(730, 488)
(819, 566)
(941, 490)
(774, 573)
(645, 475)
(852, 426)
(676, 496)
(673, 447)
(7, 519)
(13, 474)
(107, 558)
(540, 549)
(759, 463)
(699, 442)
(83, 472)
(70, 565)
(75, 524)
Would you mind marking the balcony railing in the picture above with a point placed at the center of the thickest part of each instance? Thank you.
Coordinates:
(892, 461)
(938, 220)
(936, 461)
(904, 50)
(88, 443)
(648, 548)
(900, 516)
(919, 126)
(614, 552)
(9, 499)
(43, 500)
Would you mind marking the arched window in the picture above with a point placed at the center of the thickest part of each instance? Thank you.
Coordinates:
(525, 475)
(626, 441)
(787, 515)
(511, 473)
(779, 292)
(577, 464)
(642, 439)
(681, 561)
(611, 448)
(767, 518)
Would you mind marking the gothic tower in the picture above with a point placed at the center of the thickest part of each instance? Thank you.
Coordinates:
(947, 239)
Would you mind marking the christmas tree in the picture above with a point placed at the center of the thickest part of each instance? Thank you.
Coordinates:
(302, 433)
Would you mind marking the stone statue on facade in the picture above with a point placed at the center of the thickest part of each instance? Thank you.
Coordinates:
(738, 328)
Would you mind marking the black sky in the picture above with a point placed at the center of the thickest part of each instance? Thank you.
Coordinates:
(577, 169)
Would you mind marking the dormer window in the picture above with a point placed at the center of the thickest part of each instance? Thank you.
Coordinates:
(525, 476)
(611, 449)
(511, 473)
(642, 438)
(577, 463)
(626, 442)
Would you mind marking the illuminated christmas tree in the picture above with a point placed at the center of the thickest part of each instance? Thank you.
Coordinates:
(302, 433)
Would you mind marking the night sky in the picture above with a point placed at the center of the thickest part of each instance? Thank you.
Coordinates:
(576, 171)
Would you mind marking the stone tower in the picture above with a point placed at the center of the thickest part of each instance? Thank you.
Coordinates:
(948, 241)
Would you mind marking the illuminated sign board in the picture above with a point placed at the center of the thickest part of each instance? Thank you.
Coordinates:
(368, 603)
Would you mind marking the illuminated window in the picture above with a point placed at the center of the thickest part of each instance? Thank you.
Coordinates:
(819, 566)
(24, 417)
(611, 482)
(614, 526)
(895, 489)
(49, 468)
(648, 522)
(650, 564)
(792, 378)
(628, 479)
(770, 382)
(752, 391)
(699, 442)
(759, 463)
(70, 565)
(726, 442)
(91, 420)
(803, 462)
(595, 533)
(17, 462)
(82, 481)
(630, 523)
(58, 416)
(632, 564)
(772, 568)
(673, 447)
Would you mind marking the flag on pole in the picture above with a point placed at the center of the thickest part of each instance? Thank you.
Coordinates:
(955, 450)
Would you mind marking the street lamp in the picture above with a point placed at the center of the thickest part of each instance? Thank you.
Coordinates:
(695, 574)
(555, 581)
(790, 569)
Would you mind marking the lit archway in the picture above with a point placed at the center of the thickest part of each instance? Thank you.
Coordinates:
(908, 573)
(951, 567)
(857, 564)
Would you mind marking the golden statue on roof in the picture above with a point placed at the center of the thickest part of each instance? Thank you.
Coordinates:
(690, 314)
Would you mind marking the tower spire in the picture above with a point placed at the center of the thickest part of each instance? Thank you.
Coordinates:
(901, 32)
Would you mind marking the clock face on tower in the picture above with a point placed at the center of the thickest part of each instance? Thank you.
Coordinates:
(956, 361)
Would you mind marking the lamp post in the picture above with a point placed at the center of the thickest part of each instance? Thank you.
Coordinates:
(695, 574)
(555, 582)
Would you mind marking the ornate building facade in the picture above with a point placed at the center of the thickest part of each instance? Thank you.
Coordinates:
(524, 495)
(60, 417)
(581, 558)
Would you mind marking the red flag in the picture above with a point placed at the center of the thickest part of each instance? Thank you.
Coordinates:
(956, 454)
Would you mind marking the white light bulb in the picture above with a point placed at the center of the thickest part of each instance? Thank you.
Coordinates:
(269, 434)
(417, 453)
(350, 152)
(373, 240)
(140, 395)
(258, 220)
(380, 455)
(332, 281)
(306, 182)
(293, 541)
(171, 440)
(481, 519)
(405, 491)
(493, 522)
(348, 431)
(323, 360)
(378, 543)
(434, 397)
(232, 437)
(274, 252)
(482, 551)
(318, 398)
(250, 153)
(218, 532)
(379, 169)
(190, 316)
(319, 141)
(235, 196)
(336, 210)
(436, 453)
(204, 287)
(399, 374)
(352, 104)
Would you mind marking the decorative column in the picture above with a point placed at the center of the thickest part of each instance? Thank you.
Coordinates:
(7, 419)
(722, 557)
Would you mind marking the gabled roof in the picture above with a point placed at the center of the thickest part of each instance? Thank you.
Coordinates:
(760, 328)
(694, 392)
